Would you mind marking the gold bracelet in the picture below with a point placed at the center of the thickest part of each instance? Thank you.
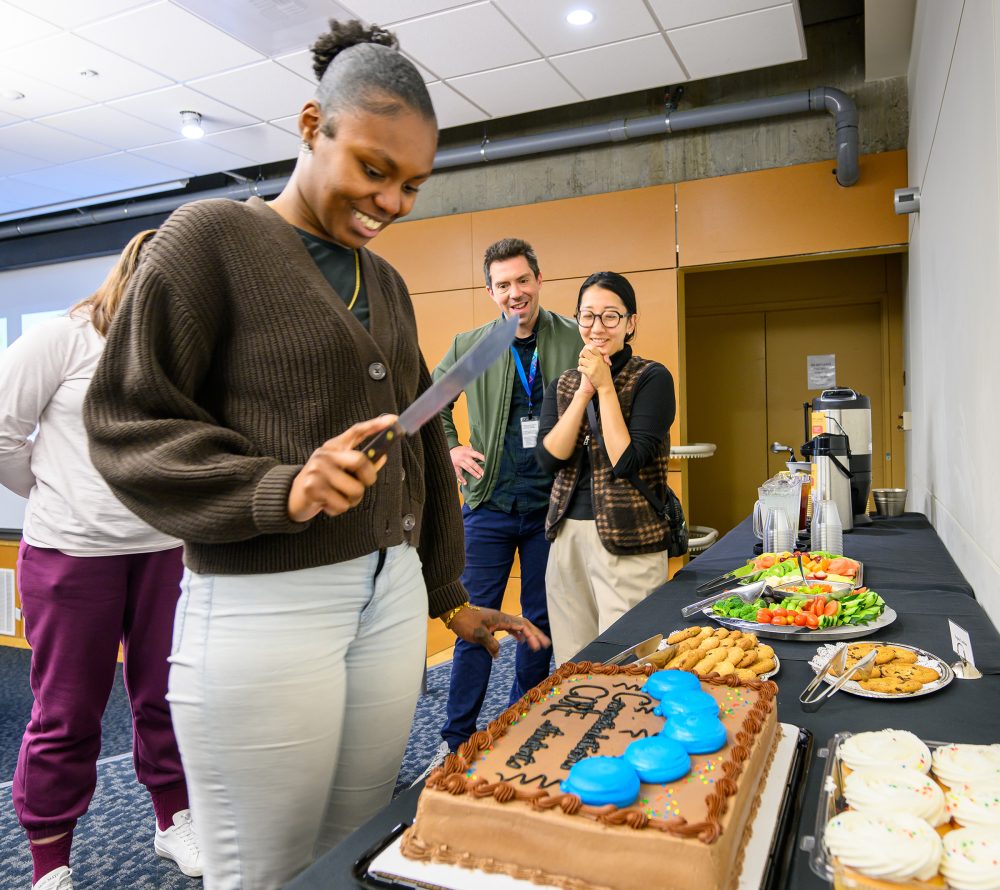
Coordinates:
(451, 615)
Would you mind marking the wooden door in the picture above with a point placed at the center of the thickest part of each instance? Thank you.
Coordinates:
(853, 334)
(726, 392)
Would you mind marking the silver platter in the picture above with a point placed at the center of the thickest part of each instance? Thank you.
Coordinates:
(803, 634)
(924, 658)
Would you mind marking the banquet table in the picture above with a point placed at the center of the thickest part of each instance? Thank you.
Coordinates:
(906, 562)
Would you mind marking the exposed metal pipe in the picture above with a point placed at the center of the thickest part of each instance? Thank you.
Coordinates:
(827, 99)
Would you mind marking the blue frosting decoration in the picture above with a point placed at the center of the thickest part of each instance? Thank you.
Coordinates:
(698, 733)
(658, 759)
(696, 702)
(602, 780)
(664, 683)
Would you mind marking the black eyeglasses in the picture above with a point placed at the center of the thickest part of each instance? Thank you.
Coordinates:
(610, 318)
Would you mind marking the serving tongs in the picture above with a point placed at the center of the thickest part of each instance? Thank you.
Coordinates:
(718, 583)
(838, 665)
(747, 592)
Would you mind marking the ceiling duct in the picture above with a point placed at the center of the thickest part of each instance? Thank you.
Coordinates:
(825, 99)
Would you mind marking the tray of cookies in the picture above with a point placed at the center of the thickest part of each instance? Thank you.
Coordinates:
(898, 811)
(900, 670)
(716, 650)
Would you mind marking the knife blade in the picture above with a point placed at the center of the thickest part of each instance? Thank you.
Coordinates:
(444, 391)
(639, 650)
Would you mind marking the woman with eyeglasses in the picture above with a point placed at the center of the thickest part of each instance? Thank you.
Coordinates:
(605, 433)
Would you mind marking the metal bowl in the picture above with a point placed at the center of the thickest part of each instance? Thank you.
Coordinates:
(889, 501)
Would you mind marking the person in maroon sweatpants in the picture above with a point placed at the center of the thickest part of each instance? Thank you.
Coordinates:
(91, 575)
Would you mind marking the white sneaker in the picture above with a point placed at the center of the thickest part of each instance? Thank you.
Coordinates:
(439, 755)
(57, 879)
(179, 843)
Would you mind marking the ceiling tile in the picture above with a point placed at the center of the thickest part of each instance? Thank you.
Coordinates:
(110, 126)
(621, 67)
(15, 162)
(433, 42)
(18, 27)
(262, 144)
(170, 40)
(27, 194)
(265, 90)
(514, 90)
(164, 107)
(270, 28)
(680, 13)
(73, 13)
(301, 63)
(8, 118)
(453, 110)
(546, 27)
(39, 97)
(98, 176)
(425, 73)
(289, 124)
(194, 156)
(51, 146)
(741, 43)
(386, 12)
(59, 60)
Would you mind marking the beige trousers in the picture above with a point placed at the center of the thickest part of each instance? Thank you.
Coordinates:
(589, 589)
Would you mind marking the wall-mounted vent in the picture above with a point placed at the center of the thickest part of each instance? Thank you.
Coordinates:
(7, 611)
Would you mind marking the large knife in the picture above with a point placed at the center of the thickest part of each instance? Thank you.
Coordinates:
(447, 389)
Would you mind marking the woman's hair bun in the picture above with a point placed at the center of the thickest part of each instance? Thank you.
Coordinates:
(343, 35)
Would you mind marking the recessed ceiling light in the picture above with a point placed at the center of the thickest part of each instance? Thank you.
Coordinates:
(12, 95)
(580, 17)
(191, 125)
(89, 72)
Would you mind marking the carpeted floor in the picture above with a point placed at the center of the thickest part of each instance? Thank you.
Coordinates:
(112, 846)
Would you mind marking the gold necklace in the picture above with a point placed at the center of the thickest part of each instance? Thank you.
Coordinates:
(357, 280)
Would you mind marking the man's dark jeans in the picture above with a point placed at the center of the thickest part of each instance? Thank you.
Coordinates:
(491, 539)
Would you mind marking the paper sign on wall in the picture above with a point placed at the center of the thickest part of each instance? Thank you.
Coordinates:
(821, 371)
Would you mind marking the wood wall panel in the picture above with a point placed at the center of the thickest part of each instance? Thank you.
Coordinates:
(623, 231)
(430, 254)
(789, 211)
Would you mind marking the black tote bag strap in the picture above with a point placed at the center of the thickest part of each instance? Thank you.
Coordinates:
(640, 486)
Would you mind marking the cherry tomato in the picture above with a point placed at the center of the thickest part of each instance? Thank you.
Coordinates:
(764, 616)
(812, 621)
(832, 608)
(779, 612)
(778, 620)
(800, 619)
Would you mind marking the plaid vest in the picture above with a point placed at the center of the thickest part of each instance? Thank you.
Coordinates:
(626, 523)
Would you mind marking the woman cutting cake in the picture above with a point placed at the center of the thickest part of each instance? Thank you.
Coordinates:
(253, 334)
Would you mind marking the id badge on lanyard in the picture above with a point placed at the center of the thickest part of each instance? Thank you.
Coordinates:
(530, 423)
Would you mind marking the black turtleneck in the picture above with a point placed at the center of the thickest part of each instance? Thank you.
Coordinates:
(653, 409)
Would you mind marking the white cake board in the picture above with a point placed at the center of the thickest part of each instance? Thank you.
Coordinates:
(390, 865)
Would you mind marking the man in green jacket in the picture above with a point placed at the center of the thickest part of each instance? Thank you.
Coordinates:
(506, 492)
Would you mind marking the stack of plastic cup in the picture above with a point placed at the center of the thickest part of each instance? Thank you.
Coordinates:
(779, 535)
(827, 529)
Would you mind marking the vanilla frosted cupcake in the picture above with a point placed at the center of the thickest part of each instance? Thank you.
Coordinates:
(973, 807)
(971, 859)
(895, 790)
(892, 847)
(976, 765)
(885, 748)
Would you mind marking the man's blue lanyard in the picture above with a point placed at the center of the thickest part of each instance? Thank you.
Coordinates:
(526, 379)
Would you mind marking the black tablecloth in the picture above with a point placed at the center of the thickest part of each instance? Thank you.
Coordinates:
(906, 562)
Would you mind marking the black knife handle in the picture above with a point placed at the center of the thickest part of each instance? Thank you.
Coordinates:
(379, 445)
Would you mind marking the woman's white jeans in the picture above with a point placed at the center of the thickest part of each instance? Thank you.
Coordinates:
(292, 696)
